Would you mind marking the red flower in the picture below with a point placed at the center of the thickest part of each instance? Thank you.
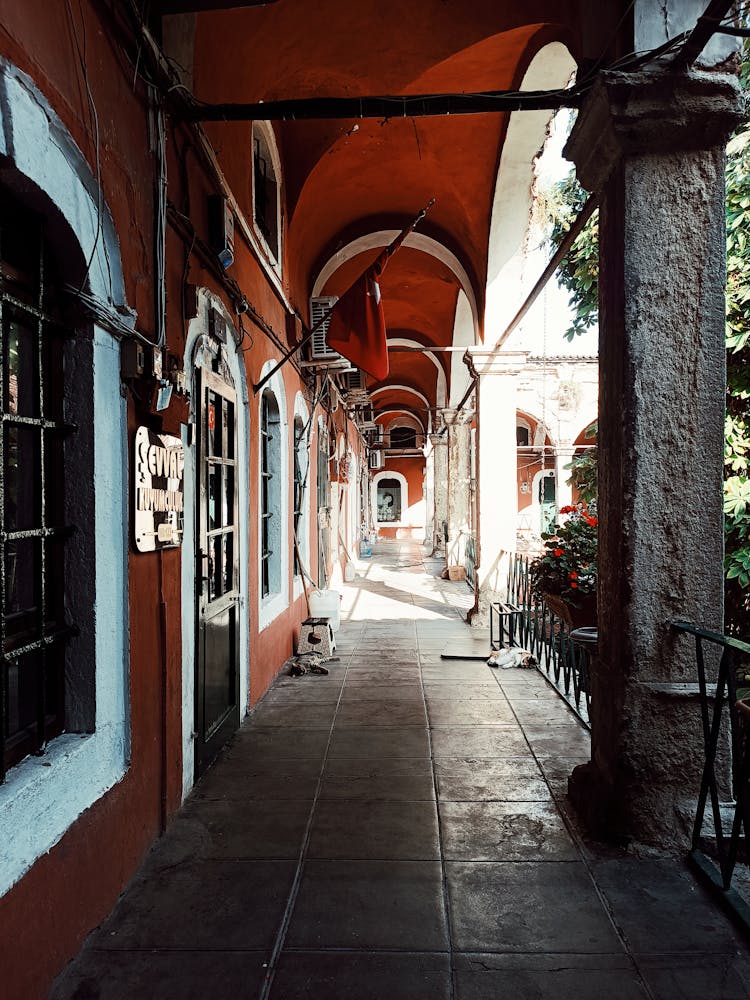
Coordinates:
(559, 552)
(567, 510)
(574, 584)
(573, 576)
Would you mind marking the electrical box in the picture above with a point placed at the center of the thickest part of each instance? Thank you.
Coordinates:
(132, 359)
(221, 229)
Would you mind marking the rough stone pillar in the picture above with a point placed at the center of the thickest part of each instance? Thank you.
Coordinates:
(652, 144)
(439, 444)
(497, 474)
(429, 496)
(563, 490)
(459, 484)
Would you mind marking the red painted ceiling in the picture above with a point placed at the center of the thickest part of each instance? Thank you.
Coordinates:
(341, 182)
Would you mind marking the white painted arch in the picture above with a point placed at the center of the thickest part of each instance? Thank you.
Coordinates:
(441, 388)
(402, 388)
(417, 241)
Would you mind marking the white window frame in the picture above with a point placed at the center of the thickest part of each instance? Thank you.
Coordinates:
(265, 132)
(271, 606)
(43, 796)
(303, 452)
(390, 474)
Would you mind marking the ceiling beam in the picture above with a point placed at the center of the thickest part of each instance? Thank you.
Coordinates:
(195, 6)
(397, 106)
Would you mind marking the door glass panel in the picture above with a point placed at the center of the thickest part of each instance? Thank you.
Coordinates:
(228, 501)
(21, 390)
(21, 487)
(228, 562)
(214, 496)
(230, 431)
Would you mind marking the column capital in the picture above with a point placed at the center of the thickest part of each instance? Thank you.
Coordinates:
(438, 439)
(650, 112)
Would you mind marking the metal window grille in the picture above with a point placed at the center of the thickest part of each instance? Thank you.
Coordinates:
(299, 487)
(268, 420)
(32, 530)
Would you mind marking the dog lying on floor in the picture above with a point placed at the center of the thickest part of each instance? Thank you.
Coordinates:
(514, 657)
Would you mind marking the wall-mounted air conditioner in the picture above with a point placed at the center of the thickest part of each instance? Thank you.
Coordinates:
(319, 352)
(376, 460)
(364, 417)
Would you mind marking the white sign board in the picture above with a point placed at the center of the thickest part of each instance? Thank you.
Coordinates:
(159, 490)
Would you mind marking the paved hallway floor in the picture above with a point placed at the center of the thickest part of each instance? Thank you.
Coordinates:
(397, 831)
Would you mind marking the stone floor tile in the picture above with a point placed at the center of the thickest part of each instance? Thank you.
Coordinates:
(388, 905)
(280, 743)
(206, 906)
(299, 715)
(559, 741)
(163, 975)
(358, 829)
(310, 689)
(469, 741)
(380, 741)
(509, 779)
(540, 713)
(541, 907)
(383, 713)
(647, 895)
(391, 778)
(471, 712)
(699, 975)
(504, 831)
(356, 690)
(234, 829)
(546, 977)
(455, 691)
(362, 976)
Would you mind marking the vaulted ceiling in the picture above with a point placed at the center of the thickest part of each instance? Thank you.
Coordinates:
(344, 179)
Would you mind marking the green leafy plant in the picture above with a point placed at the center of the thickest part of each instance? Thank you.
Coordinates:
(567, 567)
(584, 468)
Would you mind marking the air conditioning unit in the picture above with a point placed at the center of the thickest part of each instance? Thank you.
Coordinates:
(320, 353)
(379, 434)
(354, 387)
(376, 460)
(364, 417)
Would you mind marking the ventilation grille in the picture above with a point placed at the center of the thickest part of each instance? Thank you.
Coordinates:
(320, 352)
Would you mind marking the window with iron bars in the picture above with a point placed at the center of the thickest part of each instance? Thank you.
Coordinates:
(299, 489)
(270, 491)
(33, 532)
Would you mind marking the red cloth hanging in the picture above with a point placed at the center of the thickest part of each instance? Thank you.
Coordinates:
(357, 325)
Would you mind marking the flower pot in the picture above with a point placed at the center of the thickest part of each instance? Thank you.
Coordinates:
(456, 572)
(572, 616)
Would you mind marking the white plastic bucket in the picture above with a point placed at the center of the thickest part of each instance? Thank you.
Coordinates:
(326, 604)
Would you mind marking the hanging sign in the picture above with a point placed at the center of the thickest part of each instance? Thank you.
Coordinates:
(159, 491)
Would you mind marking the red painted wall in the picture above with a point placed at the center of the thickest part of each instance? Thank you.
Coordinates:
(49, 912)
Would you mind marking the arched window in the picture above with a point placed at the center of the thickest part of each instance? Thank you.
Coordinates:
(389, 500)
(270, 495)
(523, 434)
(300, 487)
(37, 512)
(267, 189)
(403, 437)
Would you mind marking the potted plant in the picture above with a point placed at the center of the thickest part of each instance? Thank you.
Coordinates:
(565, 574)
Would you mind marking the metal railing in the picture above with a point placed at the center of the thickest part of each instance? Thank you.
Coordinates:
(720, 841)
(563, 662)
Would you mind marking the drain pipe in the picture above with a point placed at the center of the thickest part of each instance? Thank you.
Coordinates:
(474, 374)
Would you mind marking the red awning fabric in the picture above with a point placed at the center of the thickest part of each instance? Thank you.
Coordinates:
(357, 326)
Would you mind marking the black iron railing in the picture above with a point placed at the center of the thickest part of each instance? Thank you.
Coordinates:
(720, 841)
(563, 662)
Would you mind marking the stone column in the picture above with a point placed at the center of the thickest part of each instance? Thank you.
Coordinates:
(439, 444)
(652, 144)
(497, 473)
(459, 484)
(563, 490)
